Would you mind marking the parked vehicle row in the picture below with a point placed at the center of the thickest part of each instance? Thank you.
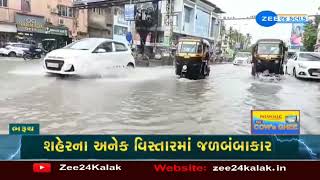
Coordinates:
(27, 51)
(14, 49)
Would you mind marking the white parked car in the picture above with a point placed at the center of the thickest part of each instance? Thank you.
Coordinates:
(87, 56)
(242, 58)
(14, 49)
(304, 65)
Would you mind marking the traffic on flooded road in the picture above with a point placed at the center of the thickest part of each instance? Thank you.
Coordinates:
(149, 100)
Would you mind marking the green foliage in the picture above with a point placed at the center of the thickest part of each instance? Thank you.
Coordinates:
(309, 37)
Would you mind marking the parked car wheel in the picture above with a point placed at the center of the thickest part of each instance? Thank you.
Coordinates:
(12, 54)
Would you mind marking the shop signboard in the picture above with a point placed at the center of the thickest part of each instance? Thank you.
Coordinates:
(57, 31)
(129, 12)
(30, 23)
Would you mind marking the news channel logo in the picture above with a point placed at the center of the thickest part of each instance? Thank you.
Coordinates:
(274, 122)
(270, 18)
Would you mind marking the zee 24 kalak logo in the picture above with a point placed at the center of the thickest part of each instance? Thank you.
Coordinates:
(269, 18)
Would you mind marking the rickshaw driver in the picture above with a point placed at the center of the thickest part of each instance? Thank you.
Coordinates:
(205, 59)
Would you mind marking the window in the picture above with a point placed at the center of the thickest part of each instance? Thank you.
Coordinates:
(25, 45)
(106, 46)
(61, 21)
(119, 30)
(120, 47)
(187, 14)
(65, 11)
(200, 49)
(213, 27)
(26, 5)
(269, 48)
(17, 45)
(99, 11)
(291, 55)
(84, 44)
(70, 12)
(4, 3)
(309, 57)
(187, 47)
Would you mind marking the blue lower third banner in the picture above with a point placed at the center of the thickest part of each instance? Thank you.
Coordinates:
(160, 147)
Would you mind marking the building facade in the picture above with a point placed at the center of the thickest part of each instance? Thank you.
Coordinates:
(120, 26)
(107, 22)
(198, 18)
(38, 20)
(191, 18)
(100, 22)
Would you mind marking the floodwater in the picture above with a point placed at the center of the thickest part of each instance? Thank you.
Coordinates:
(148, 100)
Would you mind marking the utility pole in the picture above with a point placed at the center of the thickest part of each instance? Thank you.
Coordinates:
(169, 20)
(168, 33)
(131, 30)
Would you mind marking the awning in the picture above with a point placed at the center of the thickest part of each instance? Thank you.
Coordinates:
(8, 28)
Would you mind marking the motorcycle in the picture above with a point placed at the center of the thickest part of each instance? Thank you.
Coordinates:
(36, 54)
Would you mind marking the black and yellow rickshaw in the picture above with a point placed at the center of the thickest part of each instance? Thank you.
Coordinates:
(192, 58)
(268, 56)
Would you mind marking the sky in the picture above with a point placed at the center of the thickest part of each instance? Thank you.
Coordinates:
(245, 8)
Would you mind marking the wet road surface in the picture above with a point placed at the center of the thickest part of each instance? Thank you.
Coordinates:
(148, 101)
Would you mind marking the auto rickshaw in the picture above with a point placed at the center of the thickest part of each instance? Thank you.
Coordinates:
(192, 58)
(268, 56)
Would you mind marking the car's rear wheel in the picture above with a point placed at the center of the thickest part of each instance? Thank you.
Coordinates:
(12, 54)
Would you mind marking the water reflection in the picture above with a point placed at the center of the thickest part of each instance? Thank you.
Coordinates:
(264, 96)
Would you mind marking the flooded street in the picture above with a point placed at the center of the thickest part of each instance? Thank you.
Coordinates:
(148, 101)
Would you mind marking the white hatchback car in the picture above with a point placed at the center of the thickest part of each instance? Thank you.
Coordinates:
(88, 56)
(14, 49)
(242, 58)
(304, 65)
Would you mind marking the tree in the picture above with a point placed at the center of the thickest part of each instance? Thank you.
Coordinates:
(310, 35)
